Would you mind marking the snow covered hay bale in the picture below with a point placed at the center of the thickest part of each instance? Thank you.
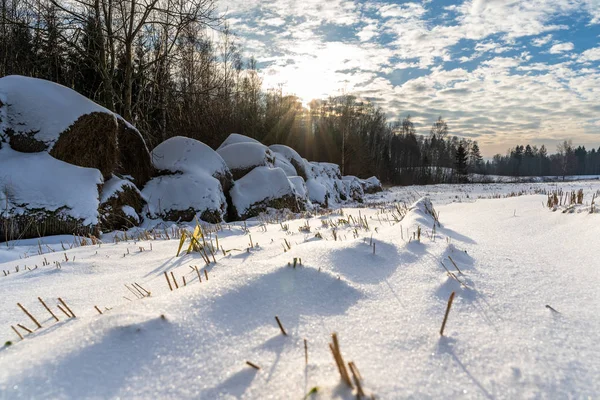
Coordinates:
(263, 188)
(40, 115)
(121, 205)
(243, 157)
(372, 185)
(353, 188)
(182, 197)
(292, 156)
(43, 196)
(325, 185)
(134, 158)
(236, 138)
(184, 155)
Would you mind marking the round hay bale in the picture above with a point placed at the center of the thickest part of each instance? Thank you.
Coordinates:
(243, 157)
(134, 158)
(121, 204)
(297, 162)
(263, 188)
(91, 142)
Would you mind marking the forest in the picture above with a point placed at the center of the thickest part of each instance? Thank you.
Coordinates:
(176, 69)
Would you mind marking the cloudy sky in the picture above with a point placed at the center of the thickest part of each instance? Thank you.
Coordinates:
(502, 72)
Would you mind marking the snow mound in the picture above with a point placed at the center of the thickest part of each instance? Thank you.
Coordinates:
(292, 156)
(263, 188)
(185, 196)
(423, 212)
(186, 155)
(243, 157)
(39, 187)
(236, 138)
(41, 108)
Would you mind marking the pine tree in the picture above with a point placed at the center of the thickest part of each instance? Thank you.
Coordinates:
(475, 159)
(461, 159)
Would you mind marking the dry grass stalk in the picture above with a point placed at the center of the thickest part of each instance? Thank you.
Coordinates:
(184, 281)
(305, 352)
(357, 379)
(339, 360)
(26, 329)
(174, 280)
(67, 307)
(48, 309)
(206, 274)
(455, 266)
(97, 309)
(447, 312)
(35, 321)
(17, 332)
(253, 365)
(168, 281)
(141, 288)
(69, 315)
(198, 273)
(280, 326)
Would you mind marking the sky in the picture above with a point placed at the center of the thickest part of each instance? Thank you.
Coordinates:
(501, 72)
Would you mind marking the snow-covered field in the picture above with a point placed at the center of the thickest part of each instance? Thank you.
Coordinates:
(525, 322)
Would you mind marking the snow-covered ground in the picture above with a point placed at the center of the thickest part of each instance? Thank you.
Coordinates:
(381, 289)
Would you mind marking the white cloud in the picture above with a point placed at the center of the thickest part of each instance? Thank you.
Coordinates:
(559, 48)
(538, 42)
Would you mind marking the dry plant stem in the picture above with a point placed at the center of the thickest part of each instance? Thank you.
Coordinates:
(48, 309)
(67, 314)
(184, 282)
(337, 354)
(252, 365)
(25, 328)
(140, 287)
(356, 377)
(97, 309)
(67, 307)
(174, 280)
(280, 326)
(168, 281)
(447, 312)
(305, 352)
(17, 332)
(455, 266)
(35, 321)
(206, 274)
(198, 273)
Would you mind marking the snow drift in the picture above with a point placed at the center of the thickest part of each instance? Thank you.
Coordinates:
(243, 157)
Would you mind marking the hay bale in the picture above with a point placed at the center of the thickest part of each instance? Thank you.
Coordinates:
(241, 158)
(45, 196)
(182, 197)
(263, 188)
(300, 164)
(121, 205)
(134, 158)
(353, 188)
(236, 138)
(371, 185)
(185, 155)
(90, 142)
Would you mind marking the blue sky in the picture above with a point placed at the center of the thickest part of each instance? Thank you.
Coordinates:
(502, 72)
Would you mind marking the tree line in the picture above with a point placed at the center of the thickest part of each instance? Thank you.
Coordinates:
(175, 68)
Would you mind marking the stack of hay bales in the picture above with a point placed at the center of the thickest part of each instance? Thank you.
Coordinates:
(192, 181)
(41, 117)
(264, 178)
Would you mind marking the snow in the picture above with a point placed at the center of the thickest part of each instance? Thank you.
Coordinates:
(44, 107)
(299, 186)
(317, 192)
(292, 157)
(259, 185)
(386, 303)
(237, 138)
(39, 181)
(198, 191)
(284, 164)
(246, 155)
(181, 154)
